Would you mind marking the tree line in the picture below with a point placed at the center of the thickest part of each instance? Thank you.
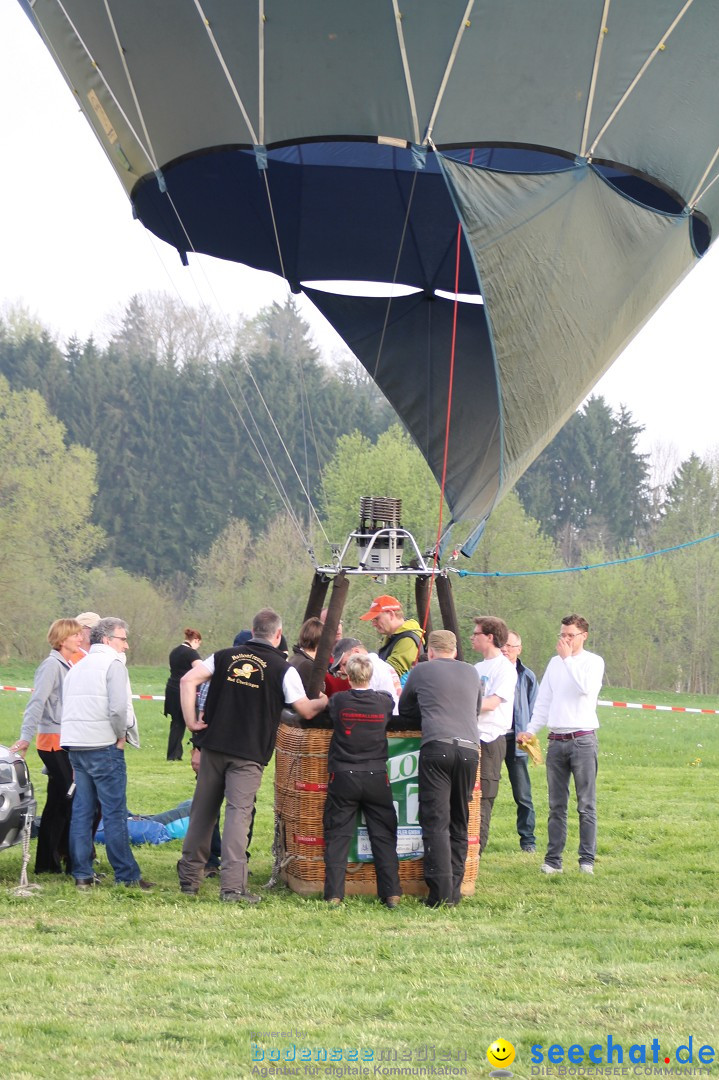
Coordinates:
(134, 482)
(188, 430)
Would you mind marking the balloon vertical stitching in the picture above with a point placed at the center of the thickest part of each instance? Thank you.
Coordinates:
(407, 72)
(121, 53)
(261, 70)
(659, 47)
(101, 76)
(698, 192)
(228, 76)
(593, 80)
(448, 70)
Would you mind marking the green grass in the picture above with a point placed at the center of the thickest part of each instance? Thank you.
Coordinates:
(166, 986)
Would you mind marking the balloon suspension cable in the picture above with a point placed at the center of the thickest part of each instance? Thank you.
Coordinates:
(263, 453)
(274, 224)
(388, 307)
(586, 566)
(394, 276)
(658, 48)
(448, 420)
(265, 456)
(121, 52)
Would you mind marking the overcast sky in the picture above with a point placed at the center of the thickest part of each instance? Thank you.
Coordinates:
(72, 254)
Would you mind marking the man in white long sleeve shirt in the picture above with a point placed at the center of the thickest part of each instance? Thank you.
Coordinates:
(567, 704)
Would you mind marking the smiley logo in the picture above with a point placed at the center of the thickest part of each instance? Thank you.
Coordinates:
(500, 1054)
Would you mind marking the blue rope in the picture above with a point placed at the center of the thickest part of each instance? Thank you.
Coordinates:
(574, 569)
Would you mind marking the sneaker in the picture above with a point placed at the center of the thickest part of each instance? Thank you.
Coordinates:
(333, 901)
(530, 849)
(586, 867)
(85, 883)
(139, 884)
(239, 896)
(188, 888)
(391, 901)
(547, 868)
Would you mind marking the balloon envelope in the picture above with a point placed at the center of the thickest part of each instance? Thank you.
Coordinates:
(556, 160)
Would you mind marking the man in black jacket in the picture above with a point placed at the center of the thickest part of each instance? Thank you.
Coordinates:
(249, 687)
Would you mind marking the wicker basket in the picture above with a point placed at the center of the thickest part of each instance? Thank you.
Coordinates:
(300, 790)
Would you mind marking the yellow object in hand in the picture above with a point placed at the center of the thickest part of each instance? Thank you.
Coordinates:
(531, 745)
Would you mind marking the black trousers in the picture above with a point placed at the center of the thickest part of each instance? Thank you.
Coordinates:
(54, 836)
(177, 734)
(348, 792)
(446, 778)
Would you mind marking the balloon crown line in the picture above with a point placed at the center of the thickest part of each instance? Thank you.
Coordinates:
(586, 566)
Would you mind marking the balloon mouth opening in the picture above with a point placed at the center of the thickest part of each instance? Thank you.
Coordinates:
(648, 192)
(388, 290)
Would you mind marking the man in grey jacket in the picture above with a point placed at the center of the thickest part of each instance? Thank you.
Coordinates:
(445, 695)
(515, 758)
(97, 720)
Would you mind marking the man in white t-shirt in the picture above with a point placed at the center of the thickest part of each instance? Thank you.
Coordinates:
(499, 679)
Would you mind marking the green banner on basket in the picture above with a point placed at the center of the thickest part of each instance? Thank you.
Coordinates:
(402, 769)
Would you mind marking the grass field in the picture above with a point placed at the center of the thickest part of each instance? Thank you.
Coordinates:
(160, 985)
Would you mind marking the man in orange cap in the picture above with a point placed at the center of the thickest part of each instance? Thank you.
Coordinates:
(401, 638)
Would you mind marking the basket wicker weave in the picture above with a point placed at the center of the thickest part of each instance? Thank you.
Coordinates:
(300, 790)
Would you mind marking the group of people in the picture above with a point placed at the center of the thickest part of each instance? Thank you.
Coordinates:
(81, 714)
(509, 711)
(471, 719)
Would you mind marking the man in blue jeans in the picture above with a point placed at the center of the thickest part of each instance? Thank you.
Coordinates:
(567, 704)
(97, 720)
(515, 758)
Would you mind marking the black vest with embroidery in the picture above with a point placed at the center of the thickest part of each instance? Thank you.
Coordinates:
(245, 701)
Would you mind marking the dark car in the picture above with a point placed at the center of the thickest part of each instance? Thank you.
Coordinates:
(17, 798)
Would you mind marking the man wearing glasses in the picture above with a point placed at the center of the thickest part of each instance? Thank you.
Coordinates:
(97, 720)
(515, 758)
(499, 679)
(567, 704)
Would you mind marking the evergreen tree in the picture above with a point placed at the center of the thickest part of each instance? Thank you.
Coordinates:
(590, 485)
(691, 511)
(185, 442)
(531, 604)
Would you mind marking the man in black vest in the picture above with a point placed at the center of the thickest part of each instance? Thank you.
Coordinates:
(249, 687)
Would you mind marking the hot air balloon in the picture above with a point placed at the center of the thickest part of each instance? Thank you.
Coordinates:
(553, 162)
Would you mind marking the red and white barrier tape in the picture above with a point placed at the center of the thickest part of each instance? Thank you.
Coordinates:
(605, 704)
(656, 708)
(135, 697)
